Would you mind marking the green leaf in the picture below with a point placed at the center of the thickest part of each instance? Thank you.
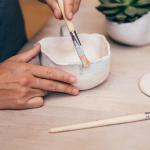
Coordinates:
(125, 1)
(130, 11)
(142, 11)
(122, 5)
(114, 1)
(111, 18)
(142, 3)
(121, 16)
(148, 8)
(103, 1)
(99, 8)
(120, 21)
(111, 12)
(109, 5)
(132, 19)
(123, 11)
(133, 2)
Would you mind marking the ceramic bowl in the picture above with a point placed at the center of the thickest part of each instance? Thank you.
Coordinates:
(136, 33)
(59, 53)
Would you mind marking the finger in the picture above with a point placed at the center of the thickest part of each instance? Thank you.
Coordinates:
(42, 1)
(26, 94)
(28, 55)
(61, 18)
(23, 92)
(49, 85)
(18, 99)
(76, 5)
(69, 6)
(34, 102)
(52, 73)
(55, 8)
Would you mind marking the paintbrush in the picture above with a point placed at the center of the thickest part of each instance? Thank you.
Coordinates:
(74, 36)
(105, 122)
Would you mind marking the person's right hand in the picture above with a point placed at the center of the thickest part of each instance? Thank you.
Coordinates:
(22, 85)
(70, 7)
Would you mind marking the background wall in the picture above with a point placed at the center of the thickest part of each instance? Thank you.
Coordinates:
(35, 15)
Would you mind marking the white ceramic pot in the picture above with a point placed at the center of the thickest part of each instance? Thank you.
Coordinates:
(59, 53)
(136, 33)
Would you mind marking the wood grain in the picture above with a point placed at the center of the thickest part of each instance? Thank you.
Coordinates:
(27, 129)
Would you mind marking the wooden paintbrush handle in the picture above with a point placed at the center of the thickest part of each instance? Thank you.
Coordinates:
(112, 121)
(69, 23)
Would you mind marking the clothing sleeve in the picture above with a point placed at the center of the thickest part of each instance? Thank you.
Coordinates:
(12, 29)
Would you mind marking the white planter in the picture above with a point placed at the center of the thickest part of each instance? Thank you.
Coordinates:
(136, 33)
(59, 53)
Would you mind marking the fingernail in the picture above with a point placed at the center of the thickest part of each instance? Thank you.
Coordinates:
(72, 79)
(75, 91)
(70, 15)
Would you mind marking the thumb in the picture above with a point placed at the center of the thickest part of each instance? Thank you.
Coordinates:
(28, 55)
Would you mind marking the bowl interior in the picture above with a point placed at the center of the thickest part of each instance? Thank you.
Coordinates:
(62, 50)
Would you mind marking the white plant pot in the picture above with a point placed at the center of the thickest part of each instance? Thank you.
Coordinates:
(136, 33)
(59, 53)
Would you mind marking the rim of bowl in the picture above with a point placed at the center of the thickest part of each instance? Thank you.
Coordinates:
(79, 63)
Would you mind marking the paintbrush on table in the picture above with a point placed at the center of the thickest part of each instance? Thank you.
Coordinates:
(105, 122)
(76, 41)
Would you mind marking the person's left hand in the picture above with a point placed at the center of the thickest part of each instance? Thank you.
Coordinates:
(70, 6)
(22, 85)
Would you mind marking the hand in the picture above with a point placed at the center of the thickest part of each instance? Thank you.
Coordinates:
(22, 85)
(70, 6)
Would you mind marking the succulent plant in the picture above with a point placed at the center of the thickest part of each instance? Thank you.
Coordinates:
(123, 11)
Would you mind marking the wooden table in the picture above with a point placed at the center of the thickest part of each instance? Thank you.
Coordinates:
(118, 95)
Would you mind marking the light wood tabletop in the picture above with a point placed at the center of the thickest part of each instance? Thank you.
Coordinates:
(118, 95)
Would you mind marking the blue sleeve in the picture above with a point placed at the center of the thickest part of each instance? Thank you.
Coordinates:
(12, 30)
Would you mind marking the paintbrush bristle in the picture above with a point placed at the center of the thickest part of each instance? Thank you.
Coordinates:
(85, 61)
